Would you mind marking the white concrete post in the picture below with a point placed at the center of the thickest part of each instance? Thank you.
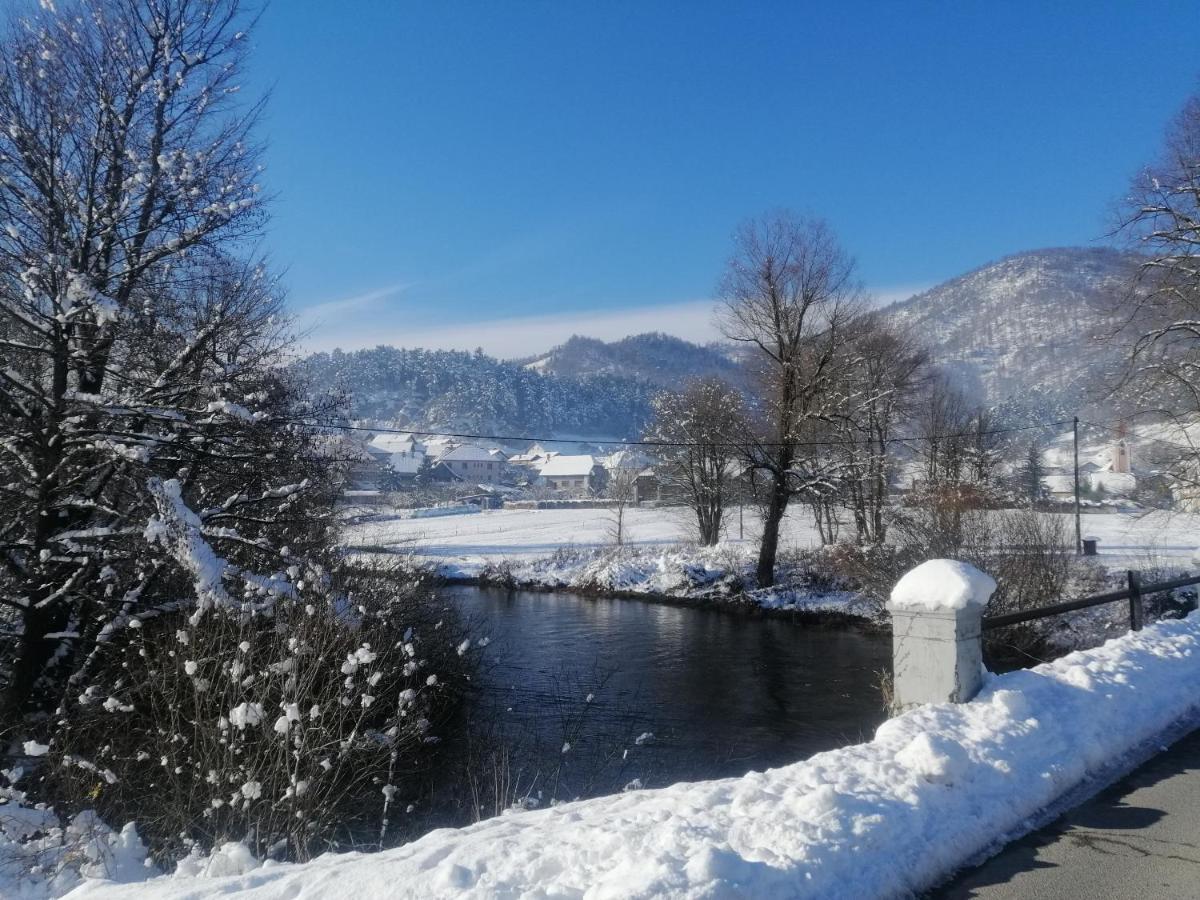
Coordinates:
(937, 653)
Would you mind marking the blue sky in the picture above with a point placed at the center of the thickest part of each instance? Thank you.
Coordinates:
(505, 173)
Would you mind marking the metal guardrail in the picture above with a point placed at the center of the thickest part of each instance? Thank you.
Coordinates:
(1134, 593)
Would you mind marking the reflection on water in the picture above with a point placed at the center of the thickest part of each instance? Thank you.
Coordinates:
(721, 693)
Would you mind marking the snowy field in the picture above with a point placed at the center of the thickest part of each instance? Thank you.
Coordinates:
(935, 789)
(465, 544)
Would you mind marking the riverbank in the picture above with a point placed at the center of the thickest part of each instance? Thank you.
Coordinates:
(936, 788)
(709, 577)
(572, 550)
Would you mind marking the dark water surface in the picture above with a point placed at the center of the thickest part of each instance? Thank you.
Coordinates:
(721, 693)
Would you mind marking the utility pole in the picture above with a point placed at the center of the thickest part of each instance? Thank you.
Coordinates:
(1079, 534)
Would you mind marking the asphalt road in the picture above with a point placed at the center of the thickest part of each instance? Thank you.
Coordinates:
(1140, 838)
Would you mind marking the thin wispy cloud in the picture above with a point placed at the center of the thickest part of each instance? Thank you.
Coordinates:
(519, 336)
(526, 335)
(320, 314)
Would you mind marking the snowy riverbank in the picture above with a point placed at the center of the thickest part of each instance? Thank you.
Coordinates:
(722, 575)
(572, 550)
(936, 788)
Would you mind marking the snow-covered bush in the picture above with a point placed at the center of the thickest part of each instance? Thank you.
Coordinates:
(148, 453)
(42, 855)
(1030, 554)
(293, 727)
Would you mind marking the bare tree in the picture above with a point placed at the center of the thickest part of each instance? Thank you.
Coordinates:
(960, 440)
(1162, 309)
(789, 293)
(702, 424)
(886, 373)
(960, 446)
(621, 488)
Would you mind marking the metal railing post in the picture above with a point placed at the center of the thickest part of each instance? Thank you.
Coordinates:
(1135, 601)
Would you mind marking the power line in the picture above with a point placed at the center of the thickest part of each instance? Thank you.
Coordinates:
(517, 439)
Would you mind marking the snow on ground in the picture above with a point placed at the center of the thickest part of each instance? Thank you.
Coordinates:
(1149, 540)
(464, 545)
(573, 549)
(934, 789)
(720, 574)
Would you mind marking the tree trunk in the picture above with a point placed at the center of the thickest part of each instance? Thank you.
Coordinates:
(33, 656)
(710, 523)
(770, 538)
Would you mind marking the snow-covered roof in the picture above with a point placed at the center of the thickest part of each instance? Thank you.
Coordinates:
(392, 443)
(467, 453)
(626, 459)
(525, 458)
(406, 463)
(568, 466)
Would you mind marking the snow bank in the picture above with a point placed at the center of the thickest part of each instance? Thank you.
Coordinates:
(41, 858)
(721, 574)
(943, 584)
(934, 788)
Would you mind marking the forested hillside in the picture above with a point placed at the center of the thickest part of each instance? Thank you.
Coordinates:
(657, 358)
(459, 391)
(1031, 330)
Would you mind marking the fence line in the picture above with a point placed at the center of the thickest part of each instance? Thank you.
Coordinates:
(1134, 593)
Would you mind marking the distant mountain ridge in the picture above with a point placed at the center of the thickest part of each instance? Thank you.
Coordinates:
(1026, 332)
(1031, 329)
(655, 358)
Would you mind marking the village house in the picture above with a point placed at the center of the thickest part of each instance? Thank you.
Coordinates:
(627, 458)
(647, 487)
(473, 463)
(1108, 472)
(533, 458)
(574, 474)
(400, 454)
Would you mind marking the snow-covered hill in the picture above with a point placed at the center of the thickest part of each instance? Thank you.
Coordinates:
(584, 387)
(655, 358)
(1030, 332)
(472, 392)
(1032, 329)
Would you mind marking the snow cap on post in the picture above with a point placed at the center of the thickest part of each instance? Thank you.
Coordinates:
(942, 585)
(937, 625)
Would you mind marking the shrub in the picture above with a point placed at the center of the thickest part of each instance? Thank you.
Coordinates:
(296, 727)
(1030, 554)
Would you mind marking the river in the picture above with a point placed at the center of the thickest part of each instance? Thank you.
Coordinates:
(597, 694)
